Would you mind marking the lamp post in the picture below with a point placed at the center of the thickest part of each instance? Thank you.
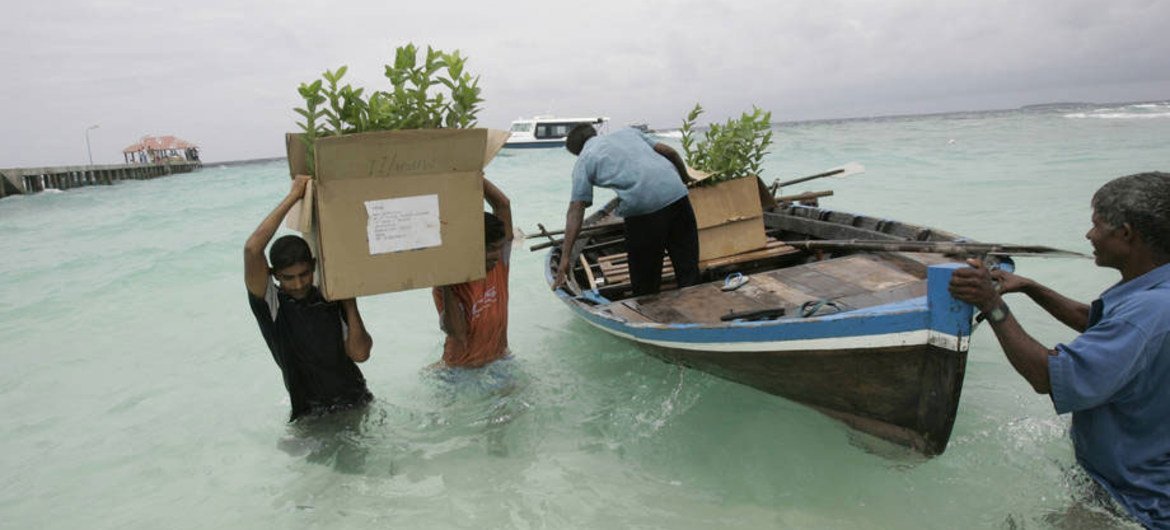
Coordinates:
(87, 149)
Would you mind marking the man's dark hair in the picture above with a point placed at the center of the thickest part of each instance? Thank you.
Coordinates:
(1143, 201)
(288, 251)
(493, 228)
(578, 136)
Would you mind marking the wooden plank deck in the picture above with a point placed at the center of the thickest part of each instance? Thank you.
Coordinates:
(615, 268)
(856, 281)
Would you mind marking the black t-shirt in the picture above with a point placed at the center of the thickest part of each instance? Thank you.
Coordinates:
(307, 340)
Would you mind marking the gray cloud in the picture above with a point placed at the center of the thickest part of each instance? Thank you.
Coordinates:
(224, 74)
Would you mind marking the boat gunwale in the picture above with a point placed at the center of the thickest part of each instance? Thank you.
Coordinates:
(910, 314)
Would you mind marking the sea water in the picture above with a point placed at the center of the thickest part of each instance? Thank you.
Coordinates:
(137, 391)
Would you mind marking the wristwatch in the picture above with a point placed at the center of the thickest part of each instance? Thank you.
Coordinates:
(998, 314)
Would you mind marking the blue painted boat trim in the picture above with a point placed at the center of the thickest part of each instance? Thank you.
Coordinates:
(947, 314)
(882, 320)
(937, 311)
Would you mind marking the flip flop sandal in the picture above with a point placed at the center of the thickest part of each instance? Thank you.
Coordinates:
(734, 281)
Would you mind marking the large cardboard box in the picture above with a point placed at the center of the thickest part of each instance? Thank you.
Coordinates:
(397, 210)
(730, 217)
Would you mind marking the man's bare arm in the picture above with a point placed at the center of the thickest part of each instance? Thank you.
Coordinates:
(573, 219)
(501, 206)
(1070, 312)
(255, 264)
(1030, 358)
(358, 342)
(675, 160)
(453, 320)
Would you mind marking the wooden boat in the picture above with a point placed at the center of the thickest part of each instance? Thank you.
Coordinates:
(865, 333)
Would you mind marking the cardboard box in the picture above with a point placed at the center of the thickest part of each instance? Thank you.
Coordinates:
(730, 216)
(397, 210)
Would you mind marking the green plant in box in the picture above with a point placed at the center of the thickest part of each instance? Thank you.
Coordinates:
(731, 150)
(436, 92)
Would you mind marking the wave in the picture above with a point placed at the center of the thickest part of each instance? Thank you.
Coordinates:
(1132, 111)
(1118, 115)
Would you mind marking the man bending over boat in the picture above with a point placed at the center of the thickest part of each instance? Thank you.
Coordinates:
(474, 314)
(316, 343)
(648, 178)
(1114, 376)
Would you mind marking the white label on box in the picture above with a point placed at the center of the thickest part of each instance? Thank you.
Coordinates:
(405, 223)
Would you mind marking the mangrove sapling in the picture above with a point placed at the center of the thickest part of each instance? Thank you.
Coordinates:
(731, 150)
(333, 95)
(417, 99)
(310, 128)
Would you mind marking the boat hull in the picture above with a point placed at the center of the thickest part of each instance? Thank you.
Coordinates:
(907, 395)
(894, 372)
(874, 340)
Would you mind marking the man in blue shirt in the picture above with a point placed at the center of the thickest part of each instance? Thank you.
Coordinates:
(1114, 376)
(648, 178)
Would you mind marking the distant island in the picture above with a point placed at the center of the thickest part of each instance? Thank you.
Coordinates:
(1062, 105)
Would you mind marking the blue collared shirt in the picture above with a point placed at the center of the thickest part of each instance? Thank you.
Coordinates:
(625, 161)
(1115, 379)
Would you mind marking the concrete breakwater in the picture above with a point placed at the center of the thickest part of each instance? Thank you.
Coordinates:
(19, 181)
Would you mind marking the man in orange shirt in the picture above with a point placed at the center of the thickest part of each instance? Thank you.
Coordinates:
(474, 314)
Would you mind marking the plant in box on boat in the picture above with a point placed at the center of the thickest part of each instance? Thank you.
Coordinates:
(726, 196)
(398, 176)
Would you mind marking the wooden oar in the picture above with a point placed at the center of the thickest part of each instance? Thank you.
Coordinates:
(584, 230)
(551, 241)
(851, 168)
(937, 247)
(808, 195)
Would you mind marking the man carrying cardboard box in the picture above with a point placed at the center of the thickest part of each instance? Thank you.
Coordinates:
(315, 343)
(474, 314)
(648, 177)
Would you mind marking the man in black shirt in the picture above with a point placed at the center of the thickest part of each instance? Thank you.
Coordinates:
(316, 343)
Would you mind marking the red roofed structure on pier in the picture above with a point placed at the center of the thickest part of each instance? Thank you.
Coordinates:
(156, 149)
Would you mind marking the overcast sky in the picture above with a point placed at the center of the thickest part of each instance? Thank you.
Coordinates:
(223, 73)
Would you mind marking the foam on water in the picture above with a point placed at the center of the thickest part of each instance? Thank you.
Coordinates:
(1129, 112)
(139, 393)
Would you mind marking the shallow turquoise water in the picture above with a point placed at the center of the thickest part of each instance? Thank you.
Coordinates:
(139, 393)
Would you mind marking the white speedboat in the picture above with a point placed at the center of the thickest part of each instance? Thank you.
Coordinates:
(673, 134)
(546, 131)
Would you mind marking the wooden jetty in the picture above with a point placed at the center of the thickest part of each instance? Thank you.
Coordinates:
(19, 181)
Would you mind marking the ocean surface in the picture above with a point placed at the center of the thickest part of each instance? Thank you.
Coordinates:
(137, 391)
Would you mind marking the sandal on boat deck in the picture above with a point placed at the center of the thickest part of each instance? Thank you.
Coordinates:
(734, 281)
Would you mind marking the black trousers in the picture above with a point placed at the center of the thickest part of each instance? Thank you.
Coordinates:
(672, 229)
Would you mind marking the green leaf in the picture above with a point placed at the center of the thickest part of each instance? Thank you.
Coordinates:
(439, 92)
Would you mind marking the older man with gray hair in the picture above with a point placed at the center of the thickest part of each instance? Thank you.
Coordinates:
(1115, 377)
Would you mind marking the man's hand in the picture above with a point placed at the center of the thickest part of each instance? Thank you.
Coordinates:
(562, 275)
(1010, 283)
(299, 185)
(975, 286)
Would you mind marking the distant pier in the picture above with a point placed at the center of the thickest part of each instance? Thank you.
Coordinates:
(19, 181)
